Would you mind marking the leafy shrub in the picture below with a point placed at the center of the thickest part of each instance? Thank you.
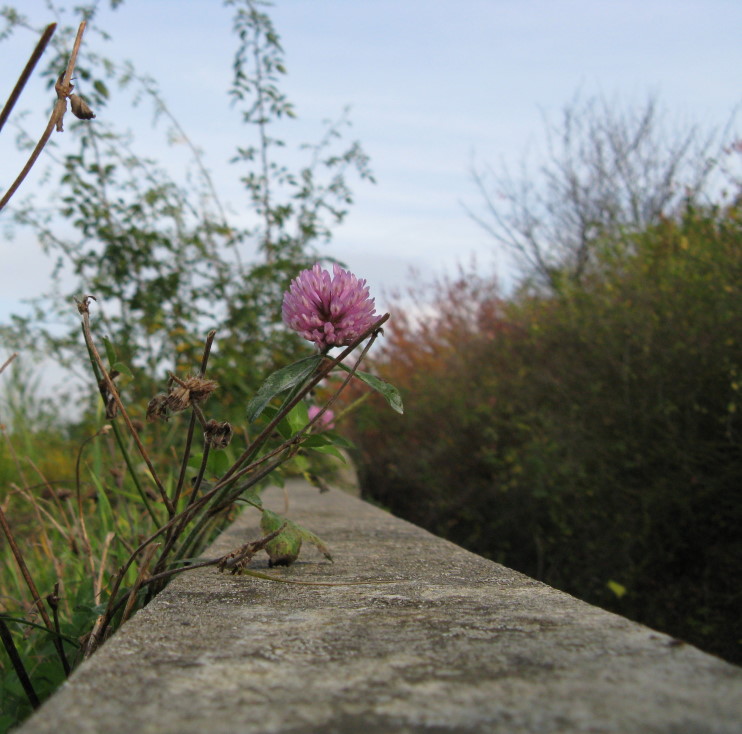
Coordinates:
(591, 437)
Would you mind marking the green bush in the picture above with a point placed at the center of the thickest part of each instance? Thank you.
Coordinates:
(590, 437)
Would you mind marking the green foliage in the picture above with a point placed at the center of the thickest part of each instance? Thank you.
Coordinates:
(591, 438)
(284, 549)
(165, 265)
(281, 380)
(390, 393)
(162, 258)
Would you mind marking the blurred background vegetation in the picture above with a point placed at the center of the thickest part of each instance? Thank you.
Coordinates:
(585, 429)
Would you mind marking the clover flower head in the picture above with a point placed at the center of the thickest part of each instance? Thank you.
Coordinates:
(330, 311)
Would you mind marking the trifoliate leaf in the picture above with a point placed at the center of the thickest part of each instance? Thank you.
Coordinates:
(390, 393)
(283, 379)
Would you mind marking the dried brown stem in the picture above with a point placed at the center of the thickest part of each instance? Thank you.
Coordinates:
(192, 424)
(8, 361)
(26, 73)
(82, 307)
(53, 601)
(17, 663)
(63, 88)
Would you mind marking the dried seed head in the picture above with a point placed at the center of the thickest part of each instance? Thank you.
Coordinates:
(108, 400)
(157, 408)
(183, 393)
(218, 435)
(178, 399)
(80, 108)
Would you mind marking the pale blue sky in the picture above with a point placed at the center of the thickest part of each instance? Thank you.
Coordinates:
(432, 85)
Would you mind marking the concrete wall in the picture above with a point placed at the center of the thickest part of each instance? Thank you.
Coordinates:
(449, 643)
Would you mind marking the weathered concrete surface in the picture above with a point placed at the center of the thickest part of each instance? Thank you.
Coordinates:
(455, 644)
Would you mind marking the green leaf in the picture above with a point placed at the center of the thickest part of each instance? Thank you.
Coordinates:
(101, 88)
(216, 465)
(331, 450)
(323, 444)
(251, 496)
(121, 368)
(283, 379)
(298, 417)
(110, 351)
(284, 549)
(219, 462)
(618, 589)
(390, 393)
(315, 440)
(315, 540)
(338, 440)
(284, 428)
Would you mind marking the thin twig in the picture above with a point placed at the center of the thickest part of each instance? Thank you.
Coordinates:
(63, 88)
(82, 307)
(17, 663)
(8, 361)
(26, 73)
(53, 601)
(192, 424)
